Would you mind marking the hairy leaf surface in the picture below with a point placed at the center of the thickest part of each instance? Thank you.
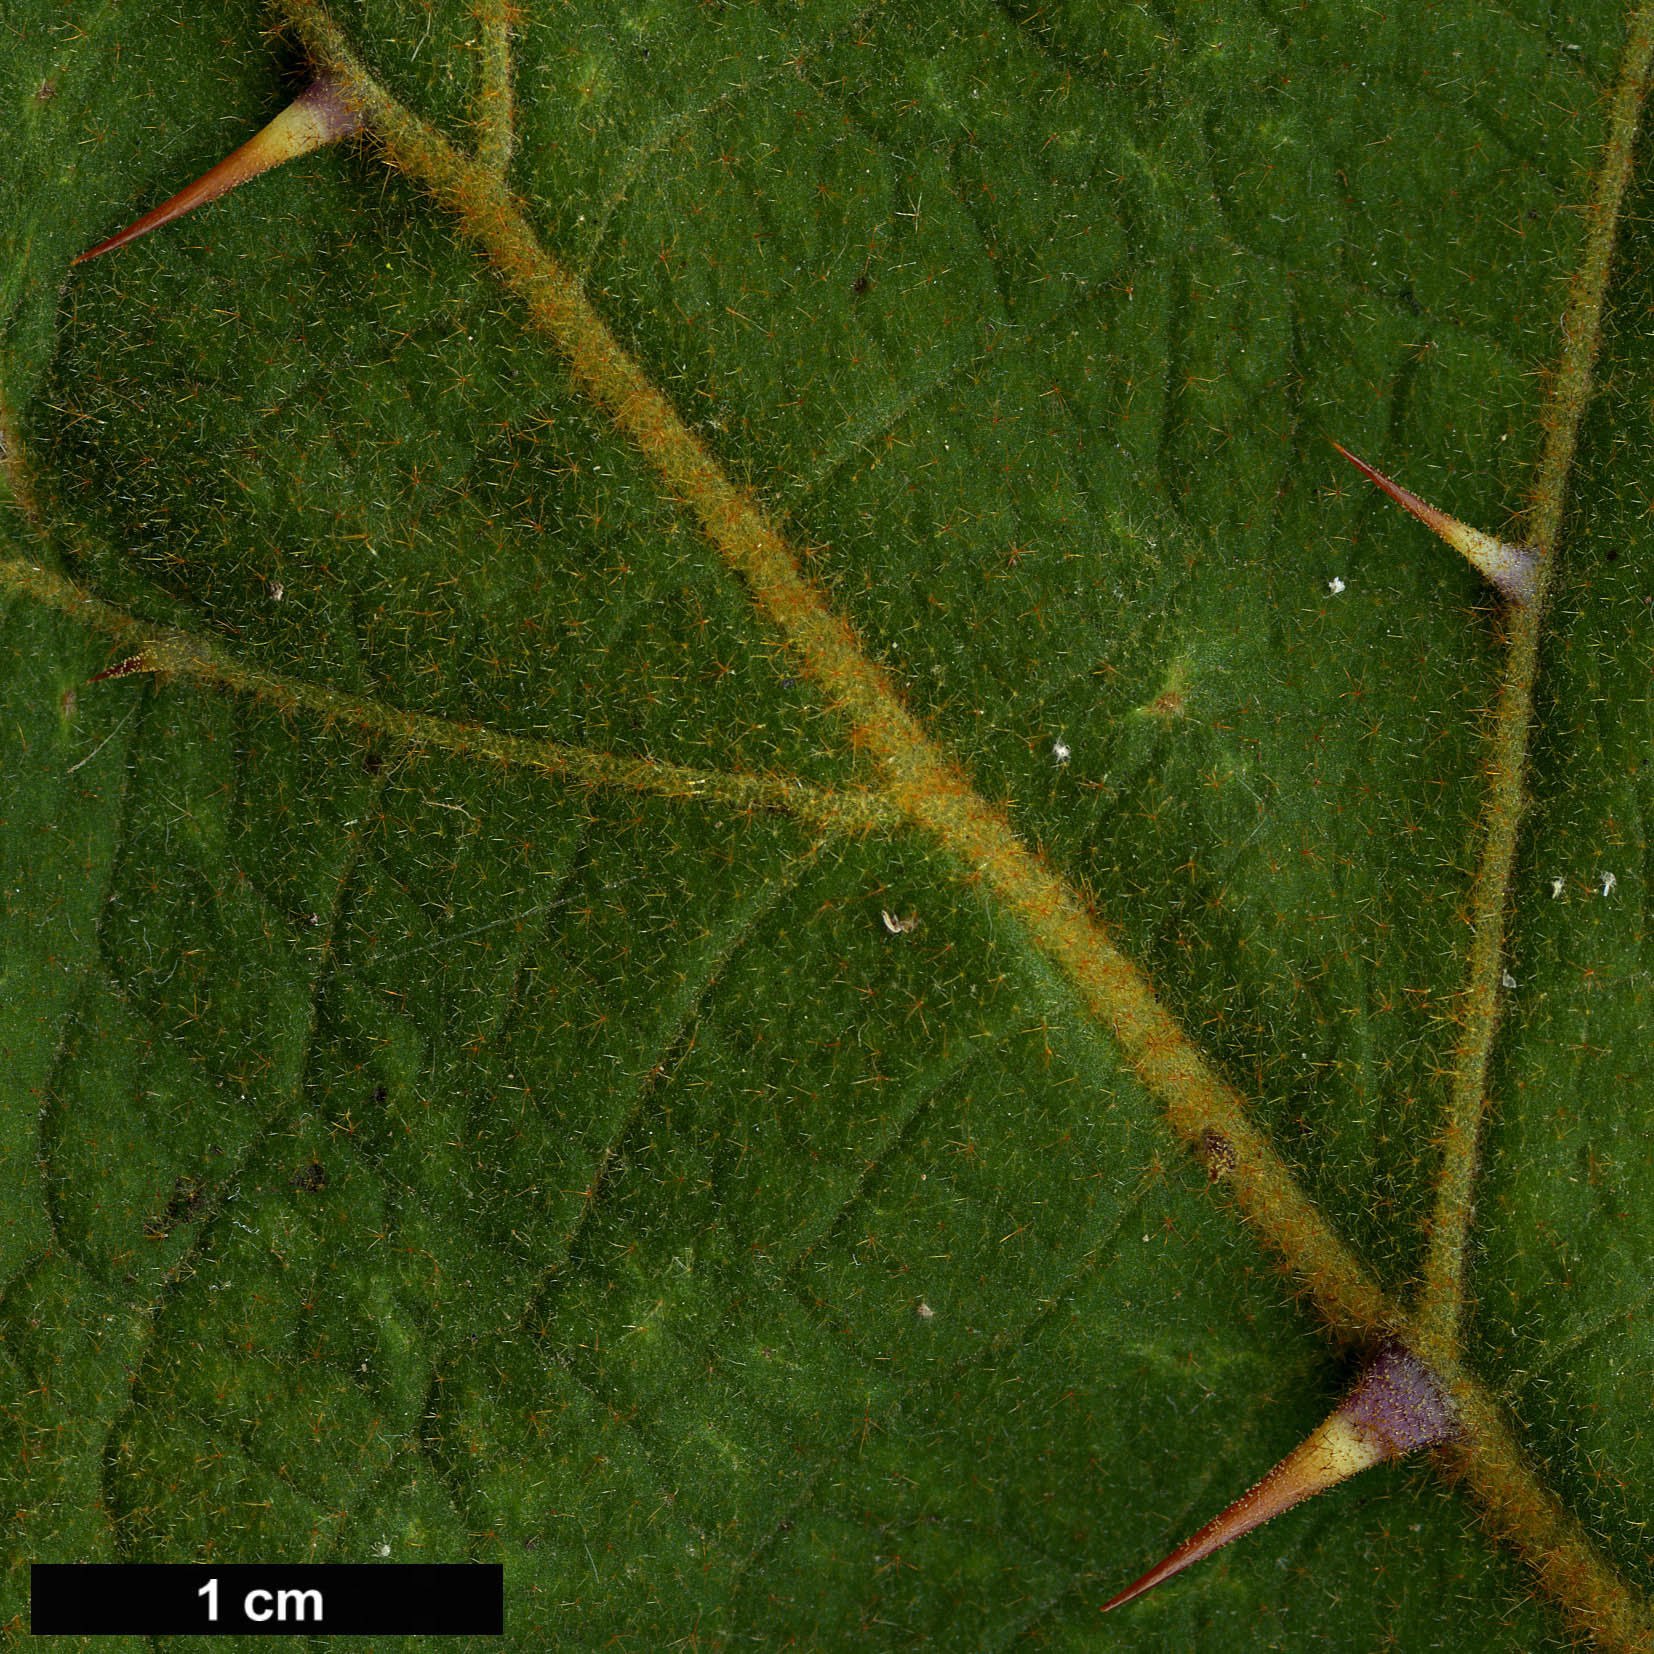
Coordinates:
(407, 1153)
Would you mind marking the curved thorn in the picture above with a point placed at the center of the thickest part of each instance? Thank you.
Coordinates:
(1398, 1405)
(1511, 568)
(318, 116)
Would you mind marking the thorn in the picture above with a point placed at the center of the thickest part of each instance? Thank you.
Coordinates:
(125, 668)
(317, 117)
(1513, 569)
(1398, 1405)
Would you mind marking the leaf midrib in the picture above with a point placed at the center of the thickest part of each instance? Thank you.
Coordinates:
(959, 810)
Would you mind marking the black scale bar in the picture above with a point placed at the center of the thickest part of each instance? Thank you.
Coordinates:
(167, 1599)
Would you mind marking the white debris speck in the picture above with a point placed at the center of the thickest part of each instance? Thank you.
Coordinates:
(1062, 752)
(1608, 884)
(1557, 887)
(382, 1548)
(1507, 979)
(924, 1311)
(1335, 585)
(277, 591)
(899, 925)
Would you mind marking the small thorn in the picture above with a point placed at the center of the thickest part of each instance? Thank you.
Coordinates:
(317, 117)
(1397, 1406)
(125, 668)
(1513, 569)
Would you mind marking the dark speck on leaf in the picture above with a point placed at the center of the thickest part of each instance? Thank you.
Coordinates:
(372, 763)
(861, 283)
(1218, 1153)
(1406, 297)
(311, 1178)
(184, 1206)
(1613, 555)
(380, 1094)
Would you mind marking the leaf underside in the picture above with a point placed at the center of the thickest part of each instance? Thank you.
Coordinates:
(418, 1151)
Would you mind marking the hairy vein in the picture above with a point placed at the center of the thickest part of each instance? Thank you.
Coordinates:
(1441, 1302)
(496, 118)
(170, 652)
(14, 472)
(923, 783)
(928, 789)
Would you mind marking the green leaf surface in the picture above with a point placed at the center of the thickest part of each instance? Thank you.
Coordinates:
(411, 1149)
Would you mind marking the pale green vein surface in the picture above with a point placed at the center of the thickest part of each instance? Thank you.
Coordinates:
(401, 1158)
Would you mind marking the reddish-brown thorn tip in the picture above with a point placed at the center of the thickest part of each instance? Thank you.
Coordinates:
(1513, 569)
(1397, 1406)
(318, 116)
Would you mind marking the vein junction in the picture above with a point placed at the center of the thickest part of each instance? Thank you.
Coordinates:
(924, 787)
(169, 652)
